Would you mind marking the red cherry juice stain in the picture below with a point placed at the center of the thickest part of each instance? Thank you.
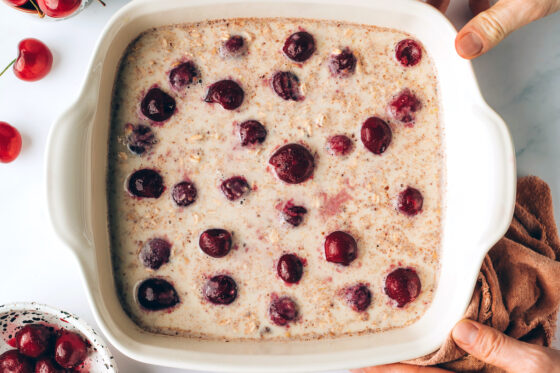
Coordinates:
(332, 205)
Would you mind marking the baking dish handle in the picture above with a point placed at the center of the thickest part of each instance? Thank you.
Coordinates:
(503, 183)
(66, 177)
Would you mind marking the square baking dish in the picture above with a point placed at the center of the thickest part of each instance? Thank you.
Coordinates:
(480, 195)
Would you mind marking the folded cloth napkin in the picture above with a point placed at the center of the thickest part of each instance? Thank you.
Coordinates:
(518, 288)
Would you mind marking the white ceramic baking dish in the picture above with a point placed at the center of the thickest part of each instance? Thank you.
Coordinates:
(480, 166)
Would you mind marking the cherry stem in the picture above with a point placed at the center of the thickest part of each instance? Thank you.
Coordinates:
(7, 67)
(101, 1)
(39, 12)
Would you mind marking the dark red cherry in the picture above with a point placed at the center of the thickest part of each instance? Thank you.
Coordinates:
(252, 132)
(220, 289)
(155, 253)
(13, 361)
(140, 139)
(70, 350)
(235, 46)
(286, 85)
(226, 93)
(10, 143)
(59, 8)
(293, 163)
(376, 135)
(340, 247)
(404, 106)
(299, 46)
(235, 187)
(293, 214)
(340, 145)
(358, 297)
(157, 105)
(403, 286)
(283, 310)
(157, 294)
(16, 2)
(34, 340)
(146, 183)
(408, 52)
(34, 60)
(184, 193)
(410, 201)
(183, 75)
(343, 64)
(290, 268)
(48, 365)
(215, 242)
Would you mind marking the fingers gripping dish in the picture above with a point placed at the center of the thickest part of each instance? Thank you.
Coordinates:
(275, 179)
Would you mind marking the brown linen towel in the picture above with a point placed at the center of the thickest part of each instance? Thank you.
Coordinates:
(518, 288)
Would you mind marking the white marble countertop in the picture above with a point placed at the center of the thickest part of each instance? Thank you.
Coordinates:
(520, 79)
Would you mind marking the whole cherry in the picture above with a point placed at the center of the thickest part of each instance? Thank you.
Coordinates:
(10, 143)
(59, 8)
(33, 62)
(34, 340)
(70, 350)
(48, 365)
(13, 361)
(16, 2)
(341, 248)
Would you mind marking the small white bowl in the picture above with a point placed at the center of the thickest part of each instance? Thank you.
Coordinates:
(14, 316)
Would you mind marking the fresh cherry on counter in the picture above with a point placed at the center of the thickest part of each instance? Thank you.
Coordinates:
(59, 8)
(70, 350)
(10, 143)
(33, 62)
(17, 2)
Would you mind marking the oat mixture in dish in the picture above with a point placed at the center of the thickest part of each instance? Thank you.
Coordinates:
(275, 179)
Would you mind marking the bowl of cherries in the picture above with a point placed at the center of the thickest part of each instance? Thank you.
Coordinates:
(40, 339)
(48, 8)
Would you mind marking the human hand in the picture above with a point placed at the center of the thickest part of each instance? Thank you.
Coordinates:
(492, 24)
(491, 346)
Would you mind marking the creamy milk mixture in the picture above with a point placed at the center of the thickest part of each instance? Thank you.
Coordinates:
(356, 193)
